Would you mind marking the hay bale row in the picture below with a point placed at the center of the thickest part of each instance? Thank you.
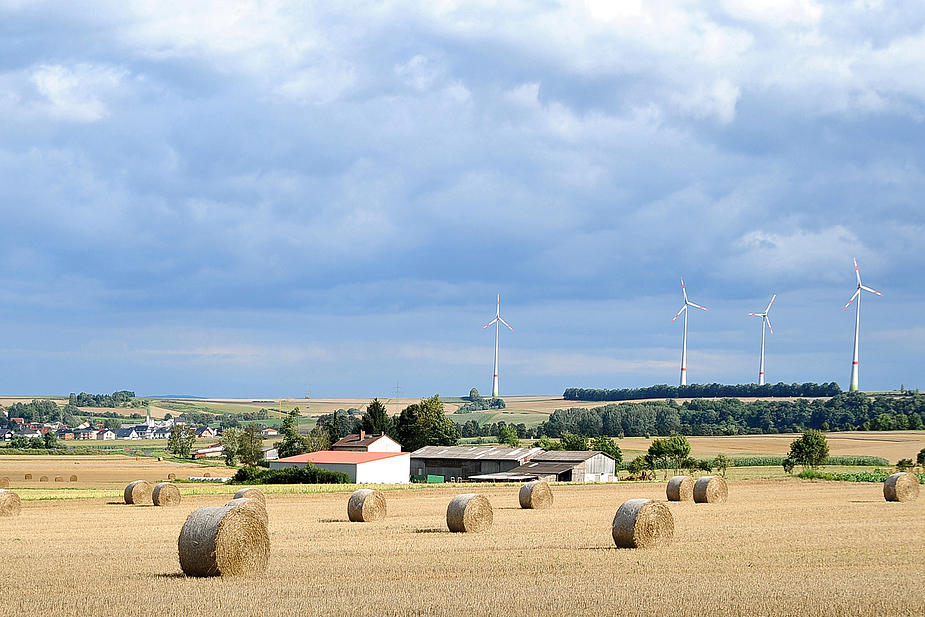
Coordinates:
(469, 512)
(138, 493)
(225, 541)
(680, 488)
(535, 495)
(73, 478)
(43, 479)
(366, 506)
(10, 504)
(642, 523)
(166, 494)
(901, 487)
(710, 489)
(28, 476)
(59, 478)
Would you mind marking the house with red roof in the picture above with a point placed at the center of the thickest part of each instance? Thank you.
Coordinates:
(362, 467)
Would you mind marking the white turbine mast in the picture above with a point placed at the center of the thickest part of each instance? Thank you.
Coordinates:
(497, 321)
(853, 384)
(687, 303)
(764, 320)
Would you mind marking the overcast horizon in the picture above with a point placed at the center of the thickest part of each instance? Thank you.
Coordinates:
(267, 199)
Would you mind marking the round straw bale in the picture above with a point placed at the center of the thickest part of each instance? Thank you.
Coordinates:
(258, 507)
(251, 493)
(680, 488)
(535, 495)
(10, 504)
(59, 478)
(901, 487)
(469, 512)
(223, 541)
(166, 494)
(4, 482)
(710, 489)
(642, 523)
(171, 476)
(138, 493)
(207, 475)
(366, 506)
(28, 476)
(73, 478)
(43, 479)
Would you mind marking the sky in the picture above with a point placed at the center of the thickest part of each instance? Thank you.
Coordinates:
(274, 199)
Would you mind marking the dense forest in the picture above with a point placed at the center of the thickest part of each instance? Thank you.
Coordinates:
(730, 416)
(712, 390)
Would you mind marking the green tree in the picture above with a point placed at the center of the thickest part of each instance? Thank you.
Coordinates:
(249, 445)
(810, 450)
(317, 440)
(546, 443)
(920, 458)
(425, 424)
(673, 450)
(788, 465)
(571, 441)
(721, 462)
(51, 440)
(292, 443)
(903, 464)
(376, 420)
(608, 446)
(231, 439)
(507, 435)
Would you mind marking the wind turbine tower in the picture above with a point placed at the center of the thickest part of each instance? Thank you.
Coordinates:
(764, 320)
(853, 386)
(497, 321)
(687, 303)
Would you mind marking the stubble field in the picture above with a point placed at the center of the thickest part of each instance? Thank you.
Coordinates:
(777, 547)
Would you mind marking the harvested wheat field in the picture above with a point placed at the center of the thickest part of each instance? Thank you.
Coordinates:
(776, 547)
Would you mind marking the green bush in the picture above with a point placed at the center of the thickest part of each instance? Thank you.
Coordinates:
(289, 475)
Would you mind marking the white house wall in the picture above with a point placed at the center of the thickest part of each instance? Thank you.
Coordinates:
(392, 470)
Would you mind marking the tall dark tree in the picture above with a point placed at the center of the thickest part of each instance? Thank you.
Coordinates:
(376, 419)
(811, 450)
(425, 424)
(292, 443)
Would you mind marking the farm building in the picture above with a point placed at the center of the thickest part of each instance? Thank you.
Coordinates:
(367, 443)
(560, 466)
(362, 467)
(458, 463)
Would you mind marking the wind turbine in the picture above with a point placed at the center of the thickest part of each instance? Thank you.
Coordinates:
(497, 321)
(687, 303)
(764, 320)
(853, 386)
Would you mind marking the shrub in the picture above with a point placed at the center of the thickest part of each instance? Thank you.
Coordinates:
(289, 475)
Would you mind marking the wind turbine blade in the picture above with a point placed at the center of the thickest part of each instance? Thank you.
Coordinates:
(873, 291)
(856, 271)
(499, 305)
(757, 314)
(768, 321)
(769, 304)
(856, 294)
(490, 323)
(683, 290)
(698, 306)
(505, 323)
(683, 308)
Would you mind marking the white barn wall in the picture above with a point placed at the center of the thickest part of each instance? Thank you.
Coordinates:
(393, 470)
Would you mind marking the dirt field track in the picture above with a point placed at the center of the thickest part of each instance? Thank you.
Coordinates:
(777, 547)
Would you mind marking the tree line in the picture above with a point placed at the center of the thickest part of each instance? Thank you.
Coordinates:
(713, 390)
(729, 416)
(122, 398)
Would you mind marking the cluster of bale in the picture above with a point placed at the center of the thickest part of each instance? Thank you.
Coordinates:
(708, 489)
(226, 540)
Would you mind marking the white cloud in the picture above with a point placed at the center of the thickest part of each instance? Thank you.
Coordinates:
(76, 94)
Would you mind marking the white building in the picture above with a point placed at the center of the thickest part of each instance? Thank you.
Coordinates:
(362, 467)
(361, 442)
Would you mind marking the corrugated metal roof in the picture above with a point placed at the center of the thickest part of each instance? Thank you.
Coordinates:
(543, 468)
(482, 453)
(574, 456)
(340, 456)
